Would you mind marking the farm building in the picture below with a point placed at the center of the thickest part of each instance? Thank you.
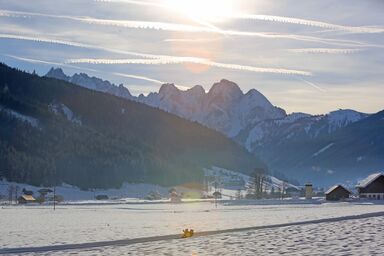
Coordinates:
(101, 197)
(26, 199)
(372, 187)
(336, 193)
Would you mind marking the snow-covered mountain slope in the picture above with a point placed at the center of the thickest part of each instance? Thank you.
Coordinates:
(224, 107)
(327, 151)
(24, 118)
(297, 126)
(299, 145)
(53, 132)
(249, 117)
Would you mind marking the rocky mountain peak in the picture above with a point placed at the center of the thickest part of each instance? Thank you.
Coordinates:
(167, 89)
(57, 73)
(225, 88)
(196, 90)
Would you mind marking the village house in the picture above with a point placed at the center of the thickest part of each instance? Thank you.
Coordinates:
(372, 187)
(174, 196)
(24, 199)
(336, 193)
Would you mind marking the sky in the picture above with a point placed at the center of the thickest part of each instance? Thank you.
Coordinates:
(303, 55)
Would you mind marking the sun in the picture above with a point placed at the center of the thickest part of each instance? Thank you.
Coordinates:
(206, 10)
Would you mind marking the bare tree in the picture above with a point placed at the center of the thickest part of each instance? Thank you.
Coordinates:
(16, 192)
(283, 188)
(238, 194)
(257, 184)
(10, 193)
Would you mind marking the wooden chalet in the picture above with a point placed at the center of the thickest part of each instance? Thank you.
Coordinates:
(336, 193)
(24, 199)
(372, 187)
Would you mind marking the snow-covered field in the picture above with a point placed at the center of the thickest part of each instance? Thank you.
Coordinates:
(350, 237)
(31, 226)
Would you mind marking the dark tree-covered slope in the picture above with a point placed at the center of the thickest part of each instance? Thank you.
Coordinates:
(52, 131)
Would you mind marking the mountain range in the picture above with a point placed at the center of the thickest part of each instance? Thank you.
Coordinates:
(333, 147)
(53, 131)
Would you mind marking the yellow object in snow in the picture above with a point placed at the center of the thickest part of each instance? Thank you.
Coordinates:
(187, 233)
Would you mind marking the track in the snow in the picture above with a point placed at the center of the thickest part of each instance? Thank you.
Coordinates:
(124, 242)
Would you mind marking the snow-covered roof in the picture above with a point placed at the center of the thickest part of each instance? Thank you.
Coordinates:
(365, 182)
(334, 187)
(28, 198)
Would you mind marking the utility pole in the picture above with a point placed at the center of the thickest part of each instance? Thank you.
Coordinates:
(54, 197)
(16, 192)
(10, 193)
(215, 193)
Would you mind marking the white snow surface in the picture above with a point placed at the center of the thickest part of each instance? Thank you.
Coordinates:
(66, 111)
(349, 237)
(323, 149)
(365, 182)
(291, 118)
(341, 118)
(256, 134)
(39, 225)
(24, 118)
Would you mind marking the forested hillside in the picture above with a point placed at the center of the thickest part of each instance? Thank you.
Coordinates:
(52, 131)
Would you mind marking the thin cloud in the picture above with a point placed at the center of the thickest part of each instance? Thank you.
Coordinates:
(139, 78)
(144, 78)
(76, 44)
(179, 60)
(118, 23)
(51, 63)
(325, 50)
(144, 3)
(134, 24)
(312, 23)
(44, 40)
(310, 84)
(191, 40)
(157, 61)
(273, 18)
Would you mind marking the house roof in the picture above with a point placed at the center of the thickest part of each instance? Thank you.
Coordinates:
(45, 190)
(371, 178)
(28, 198)
(335, 187)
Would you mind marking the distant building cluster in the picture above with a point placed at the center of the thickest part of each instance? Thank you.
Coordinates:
(371, 187)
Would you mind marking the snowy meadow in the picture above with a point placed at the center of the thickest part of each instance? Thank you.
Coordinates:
(37, 226)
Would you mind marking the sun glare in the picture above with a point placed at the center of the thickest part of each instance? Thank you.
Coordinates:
(207, 10)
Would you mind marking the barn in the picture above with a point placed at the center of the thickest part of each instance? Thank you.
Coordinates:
(372, 187)
(336, 193)
(26, 199)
